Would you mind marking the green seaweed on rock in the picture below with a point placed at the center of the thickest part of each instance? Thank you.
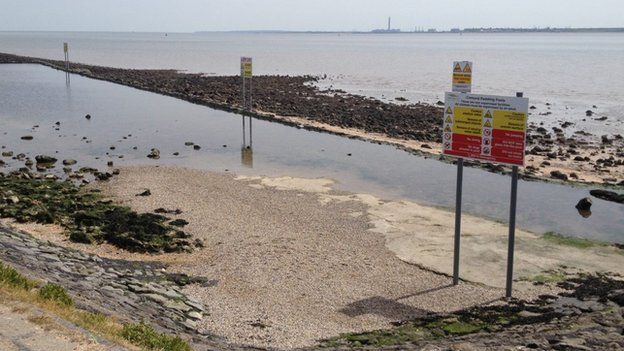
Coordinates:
(87, 216)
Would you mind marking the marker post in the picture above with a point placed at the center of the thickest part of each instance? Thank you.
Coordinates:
(462, 83)
(247, 75)
(512, 226)
(66, 52)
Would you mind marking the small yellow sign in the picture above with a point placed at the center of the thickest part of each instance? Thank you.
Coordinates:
(246, 67)
(65, 47)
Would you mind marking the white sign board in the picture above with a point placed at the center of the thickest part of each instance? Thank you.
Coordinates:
(485, 127)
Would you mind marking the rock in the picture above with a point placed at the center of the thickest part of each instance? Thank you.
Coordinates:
(425, 146)
(7, 153)
(179, 222)
(196, 147)
(584, 204)
(189, 143)
(608, 195)
(617, 296)
(603, 118)
(589, 113)
(88, 116)
(176, 153)
(194, 315)
(69, 162)
(27, 137)
(147, 192)
(154, 154)
(109, 163)
(43, 159)
(558, 175)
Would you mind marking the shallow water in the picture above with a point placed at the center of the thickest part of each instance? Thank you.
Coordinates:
(571, 71)
(36, 95)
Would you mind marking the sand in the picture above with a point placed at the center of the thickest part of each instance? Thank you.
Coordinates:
(295, 260)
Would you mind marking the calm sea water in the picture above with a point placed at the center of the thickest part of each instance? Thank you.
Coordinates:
(571, 71)
(126, 118)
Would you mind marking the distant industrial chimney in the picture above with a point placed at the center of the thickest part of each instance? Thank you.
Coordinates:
(389, 18)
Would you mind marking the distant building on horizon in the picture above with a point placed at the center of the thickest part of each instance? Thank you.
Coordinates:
(388, 30)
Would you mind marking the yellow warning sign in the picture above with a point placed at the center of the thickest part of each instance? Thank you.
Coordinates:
(449, 120)
(246, 67)
(448, 129)
(488, 114)
(468, 121)
(449, 111)
(487, 124)
(462, 76)
(510, 120)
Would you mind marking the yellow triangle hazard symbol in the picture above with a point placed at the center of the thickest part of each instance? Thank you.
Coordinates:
(467, 68)
(457, 68)
(488, 124)
(488, 114)
(448, 129)
(449, 120)
(449, 111)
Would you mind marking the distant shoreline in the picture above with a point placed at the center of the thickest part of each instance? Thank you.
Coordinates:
(452, 31)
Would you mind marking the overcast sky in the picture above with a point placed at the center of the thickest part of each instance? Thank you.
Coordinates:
(223, 15)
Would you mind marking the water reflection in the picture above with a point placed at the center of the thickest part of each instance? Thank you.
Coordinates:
(247, 147)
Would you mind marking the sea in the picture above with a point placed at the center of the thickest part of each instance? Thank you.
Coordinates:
(570, 72)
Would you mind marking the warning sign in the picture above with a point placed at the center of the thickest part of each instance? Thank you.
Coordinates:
(462, 77)
(65, 47)
(485, 127)
(246, 67)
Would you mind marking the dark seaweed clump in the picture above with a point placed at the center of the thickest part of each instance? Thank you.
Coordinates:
(87, 216)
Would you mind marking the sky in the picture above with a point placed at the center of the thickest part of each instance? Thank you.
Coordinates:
(303, 15)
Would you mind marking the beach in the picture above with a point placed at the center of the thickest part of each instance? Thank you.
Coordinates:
(295, 262)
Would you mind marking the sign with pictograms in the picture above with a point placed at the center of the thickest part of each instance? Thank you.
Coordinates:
(485, 127)
(65, 47)
(462, 76)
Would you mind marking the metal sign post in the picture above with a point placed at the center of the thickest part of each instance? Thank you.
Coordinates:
(246, 67)
(512, 227)
(66, 52)
(462, 82)
(486, 128)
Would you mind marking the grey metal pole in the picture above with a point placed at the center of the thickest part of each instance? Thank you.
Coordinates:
(512, 230)
(458, 204)
(512, 226)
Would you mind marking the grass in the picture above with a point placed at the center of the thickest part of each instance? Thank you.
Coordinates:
(578, 243)
(56, 293)
(145, 336)
(54, 299)
(11, 277)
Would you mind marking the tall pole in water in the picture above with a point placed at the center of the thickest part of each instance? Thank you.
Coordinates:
(389, 18)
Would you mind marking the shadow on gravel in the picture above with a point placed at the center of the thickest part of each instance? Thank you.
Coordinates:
(381, 306)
